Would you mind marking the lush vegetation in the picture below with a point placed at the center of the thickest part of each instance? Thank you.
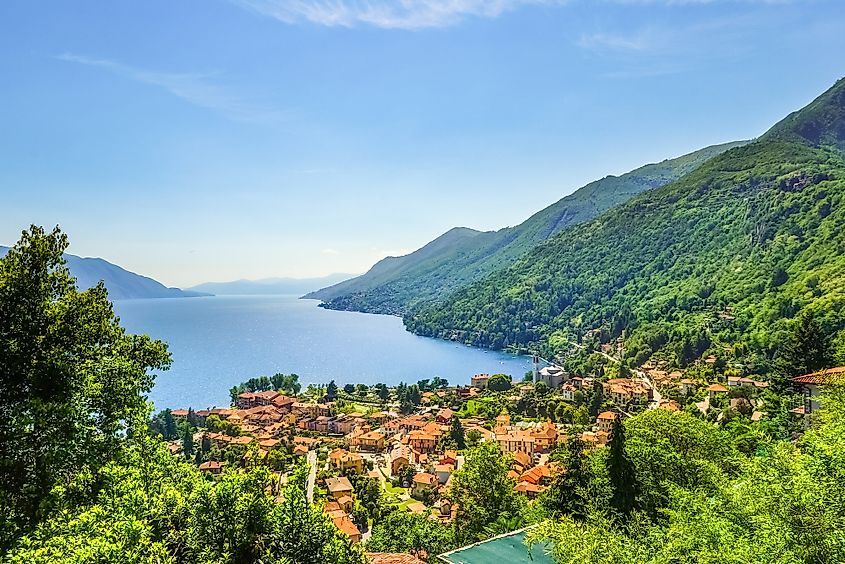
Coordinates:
(82, 479)
(462, 256)
(722, 260)
(699, 500)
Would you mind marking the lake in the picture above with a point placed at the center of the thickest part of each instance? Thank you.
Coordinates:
(218, 342)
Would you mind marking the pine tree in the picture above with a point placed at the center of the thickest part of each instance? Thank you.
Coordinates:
(188, 441)
(807, 349)
(170, 431)
(623, 476)
(565, 495)
(457, 433)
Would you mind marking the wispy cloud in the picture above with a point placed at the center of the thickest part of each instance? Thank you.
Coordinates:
(330, 252)
(392, 14)
(197, 89)
(615, 42)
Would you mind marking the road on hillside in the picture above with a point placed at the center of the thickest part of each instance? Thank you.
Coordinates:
(312, 474)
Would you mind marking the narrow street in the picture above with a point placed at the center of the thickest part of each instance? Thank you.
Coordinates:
(312, 474)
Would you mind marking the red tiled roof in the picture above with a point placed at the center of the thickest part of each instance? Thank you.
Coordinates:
(822, 376)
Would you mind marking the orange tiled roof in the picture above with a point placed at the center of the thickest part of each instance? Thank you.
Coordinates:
(822, 376)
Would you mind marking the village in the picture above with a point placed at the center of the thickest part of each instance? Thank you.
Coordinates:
(356, 440)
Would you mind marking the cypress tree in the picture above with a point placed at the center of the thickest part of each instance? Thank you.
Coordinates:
(623, 477)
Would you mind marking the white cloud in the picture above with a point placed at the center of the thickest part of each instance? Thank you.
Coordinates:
(196, 89)
(615, 42)
(330, 252)
(397, 14)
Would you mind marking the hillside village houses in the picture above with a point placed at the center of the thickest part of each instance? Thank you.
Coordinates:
(385, 445)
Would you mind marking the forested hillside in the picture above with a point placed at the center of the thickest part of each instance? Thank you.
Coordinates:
(726, 256)
(462, 256)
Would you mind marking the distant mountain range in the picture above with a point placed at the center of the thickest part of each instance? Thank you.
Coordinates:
(720, 261)
(461, 256)
(121, 284)
(297, 286)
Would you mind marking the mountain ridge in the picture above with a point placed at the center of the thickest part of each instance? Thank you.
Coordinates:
(723, 258)
(268, 286)
(462, 255)
(122, 284)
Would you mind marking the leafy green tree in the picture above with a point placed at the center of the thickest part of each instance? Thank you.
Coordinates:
(382, 392)
(499, 382)
(483, 492)
(416, 534)
(73, 381)
(331, 391)
(349, 388)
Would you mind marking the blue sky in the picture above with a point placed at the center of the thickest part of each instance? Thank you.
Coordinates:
(219, 139)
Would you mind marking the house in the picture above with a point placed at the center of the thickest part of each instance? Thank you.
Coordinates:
(347, 461)
(449, 457)
(539, 475)
(339, 487)
(568, 391)
(422, 442)
(811, 385)
(400, 458)
(516, 442)
(479, 381)
(606, 420)
(625, 390)
(531, 491)
(212, 466)
(545, 436)
(345, 502)
(372, 441)
(423, 482)
(688, 386)
(348, 528)
(442, 472)
(444, 417)
(714, 389)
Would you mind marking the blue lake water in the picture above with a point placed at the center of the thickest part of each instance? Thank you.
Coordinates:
(220, 341)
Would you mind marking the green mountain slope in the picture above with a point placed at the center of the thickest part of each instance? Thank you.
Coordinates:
(725, 256)
(462, 256)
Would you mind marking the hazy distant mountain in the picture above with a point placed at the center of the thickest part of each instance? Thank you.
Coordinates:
(265, 286)
(121, 284)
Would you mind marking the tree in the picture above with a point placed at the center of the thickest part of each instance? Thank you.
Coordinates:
(567, 493)
(382, 391)
(72, 381)
(623, 476)
(807, 349)
(473, 438)
(416, 534)
(483, 492)
(169, 425)
(457, 433)
(331, 391)
(188, 441)
(349, 388)
(596, 399)
(499, 382)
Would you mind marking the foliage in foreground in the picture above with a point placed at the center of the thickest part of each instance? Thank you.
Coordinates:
(703, 504)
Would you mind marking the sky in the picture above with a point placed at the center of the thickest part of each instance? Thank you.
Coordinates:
(211, 140)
